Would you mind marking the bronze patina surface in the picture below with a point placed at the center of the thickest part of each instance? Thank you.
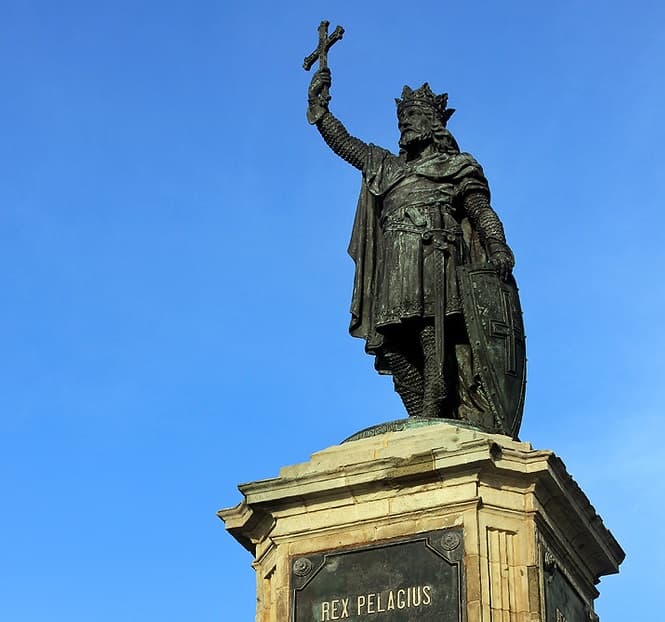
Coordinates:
(562, 602)
(434, 297)
(420, 578)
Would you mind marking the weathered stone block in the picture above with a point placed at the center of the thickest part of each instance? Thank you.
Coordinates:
(531, 546)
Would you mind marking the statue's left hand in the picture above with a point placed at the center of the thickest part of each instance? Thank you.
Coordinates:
(503, 262)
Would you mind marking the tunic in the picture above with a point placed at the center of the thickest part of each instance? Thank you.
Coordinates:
(416, 202)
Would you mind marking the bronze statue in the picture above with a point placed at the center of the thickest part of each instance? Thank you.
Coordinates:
(434, 297)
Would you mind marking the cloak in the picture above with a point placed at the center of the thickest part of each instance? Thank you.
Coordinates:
(382, 171)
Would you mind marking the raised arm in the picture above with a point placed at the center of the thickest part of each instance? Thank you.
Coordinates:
(347, 147)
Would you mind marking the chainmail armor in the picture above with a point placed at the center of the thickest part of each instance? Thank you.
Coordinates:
(487, 223)
(347, 147)
(408, 380)
(419, 384)
(483, 217)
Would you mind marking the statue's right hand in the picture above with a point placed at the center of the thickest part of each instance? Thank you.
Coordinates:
(318, 95)
(320, 85)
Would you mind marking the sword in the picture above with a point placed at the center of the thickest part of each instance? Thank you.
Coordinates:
(440, 247)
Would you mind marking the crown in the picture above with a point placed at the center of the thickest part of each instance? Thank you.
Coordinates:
(424, 96)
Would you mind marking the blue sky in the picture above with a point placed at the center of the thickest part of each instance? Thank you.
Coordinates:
(176, 284)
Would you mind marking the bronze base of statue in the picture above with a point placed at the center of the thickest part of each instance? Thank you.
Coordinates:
(399, 425)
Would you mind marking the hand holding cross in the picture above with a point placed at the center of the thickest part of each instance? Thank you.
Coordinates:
(319, 90)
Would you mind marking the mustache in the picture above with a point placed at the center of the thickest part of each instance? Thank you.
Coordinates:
(415, 138)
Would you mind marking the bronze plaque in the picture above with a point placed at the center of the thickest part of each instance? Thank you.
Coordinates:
(419, 578)
(562, 602)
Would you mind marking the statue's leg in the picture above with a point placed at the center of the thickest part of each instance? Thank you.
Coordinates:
(473, 406)
(405, 364)
(434, 390)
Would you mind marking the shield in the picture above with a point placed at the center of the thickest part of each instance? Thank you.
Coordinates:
(493, 318)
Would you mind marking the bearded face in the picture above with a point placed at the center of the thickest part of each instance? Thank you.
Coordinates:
(415, 126)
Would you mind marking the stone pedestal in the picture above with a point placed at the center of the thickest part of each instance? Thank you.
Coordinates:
(436, 523)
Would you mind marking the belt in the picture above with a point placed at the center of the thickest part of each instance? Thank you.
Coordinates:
(449, 235)
(417, 214)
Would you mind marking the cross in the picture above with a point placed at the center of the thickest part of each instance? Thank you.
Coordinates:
(325, 43)
(506, 329)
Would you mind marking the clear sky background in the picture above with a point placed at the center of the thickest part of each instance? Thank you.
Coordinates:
(175, 283)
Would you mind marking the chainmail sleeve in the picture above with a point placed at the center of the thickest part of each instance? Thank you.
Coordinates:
(347, 147)
(486, 222)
